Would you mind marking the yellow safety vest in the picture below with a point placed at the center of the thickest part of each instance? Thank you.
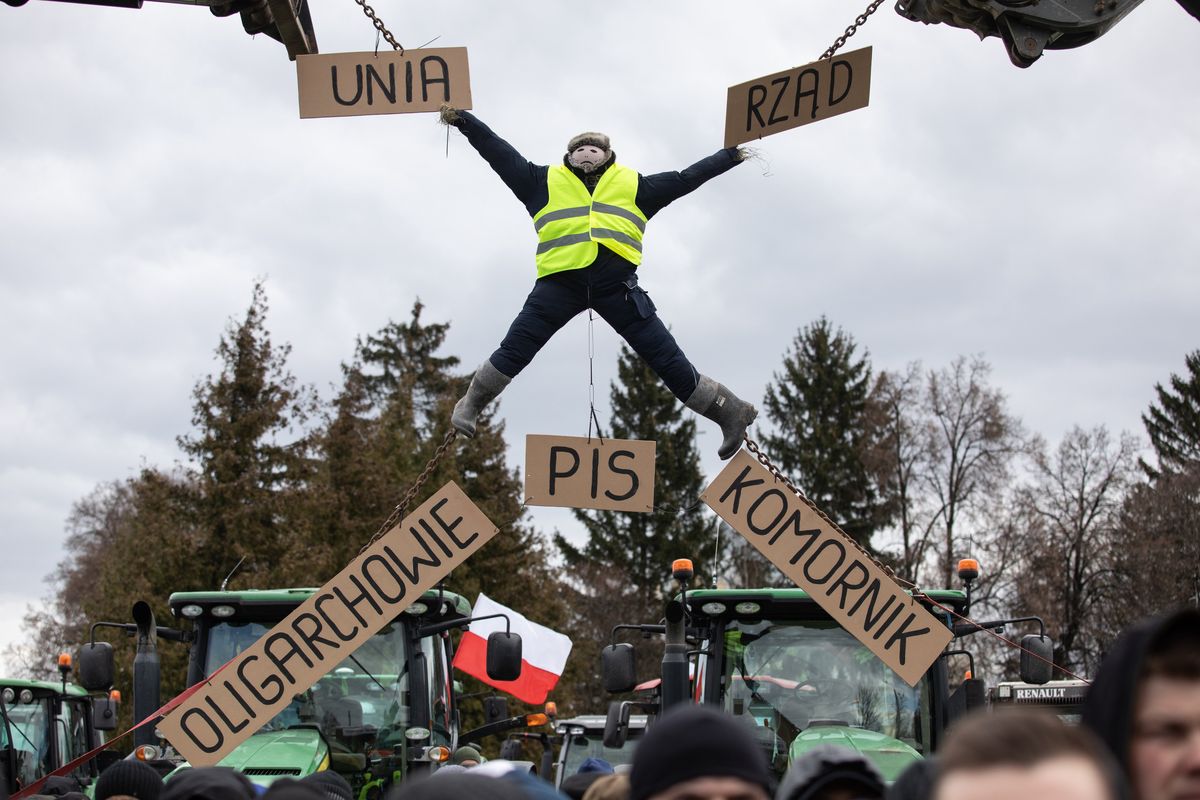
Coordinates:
(574, 221)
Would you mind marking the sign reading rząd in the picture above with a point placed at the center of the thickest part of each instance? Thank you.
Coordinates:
(859, 595)
(328, 627)
(797, 96)
(355, 84)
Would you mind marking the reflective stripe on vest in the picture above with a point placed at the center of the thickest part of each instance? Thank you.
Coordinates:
(574, 221)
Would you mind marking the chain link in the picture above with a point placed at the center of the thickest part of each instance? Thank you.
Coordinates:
(402, 507)
(779, 476)
(379, 26)
(850, 31)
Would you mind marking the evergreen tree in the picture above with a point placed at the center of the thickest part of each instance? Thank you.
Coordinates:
(1174, 422)
(823, 431)
(248, 475)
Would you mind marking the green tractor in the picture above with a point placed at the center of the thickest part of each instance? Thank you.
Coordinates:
(776, 661)
(389, 710)
(45, 725)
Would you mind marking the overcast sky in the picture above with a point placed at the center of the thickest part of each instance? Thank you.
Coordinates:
(153, 165)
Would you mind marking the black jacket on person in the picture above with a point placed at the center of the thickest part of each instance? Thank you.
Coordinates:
(1109, 708)
(528, 180)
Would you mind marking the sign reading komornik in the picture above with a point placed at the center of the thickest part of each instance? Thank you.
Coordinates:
(354, 84)
(339, 617)
(859, 595)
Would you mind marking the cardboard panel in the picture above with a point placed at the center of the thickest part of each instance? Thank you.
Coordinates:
(811, 552)
(342, 615)
(354, 84)
(797, 96)
(615, 475)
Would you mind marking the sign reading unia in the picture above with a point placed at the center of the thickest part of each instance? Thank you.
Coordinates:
(339, 617)
(811, 552)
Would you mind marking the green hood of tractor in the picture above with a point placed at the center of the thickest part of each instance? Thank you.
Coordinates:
(890, 756)
(269, 755)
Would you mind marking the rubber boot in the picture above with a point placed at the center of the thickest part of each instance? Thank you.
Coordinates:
(487, 384)
(712, 400)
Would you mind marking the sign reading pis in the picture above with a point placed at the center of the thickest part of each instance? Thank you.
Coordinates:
(328, 627)
(812, 553)
(613, 474)
(798, 96)
(353, 84)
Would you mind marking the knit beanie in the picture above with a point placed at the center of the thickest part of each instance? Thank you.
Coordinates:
(695, 742)
(466, 753)
(134, 778)
(591, 137)
(330, 784)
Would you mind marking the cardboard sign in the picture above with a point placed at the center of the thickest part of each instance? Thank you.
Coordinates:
(343, 614)
(353, 84)
(859, 595)
(614, 475)
(798, 96)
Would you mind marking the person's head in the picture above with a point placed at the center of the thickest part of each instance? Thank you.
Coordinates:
(209, 783)
(129, 779)
(1164, 747)
(829, 772)
(1023, 754)
(697, 753)
(589, 151)
(330, 784)
(608, 787)
(289, 789)
(466, 756)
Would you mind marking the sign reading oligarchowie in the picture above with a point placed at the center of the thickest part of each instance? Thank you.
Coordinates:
(339, 617)
(812, 553)
(797, 96)
(355, 84)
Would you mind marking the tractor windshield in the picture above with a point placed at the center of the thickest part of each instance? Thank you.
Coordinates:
(362, 704)
(29, 724)
(786, 678)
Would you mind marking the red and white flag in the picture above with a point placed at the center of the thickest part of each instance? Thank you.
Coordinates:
(543, 652)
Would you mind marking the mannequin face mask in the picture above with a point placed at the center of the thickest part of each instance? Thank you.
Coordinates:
(587, 157)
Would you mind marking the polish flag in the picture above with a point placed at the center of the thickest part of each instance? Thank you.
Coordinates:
(543, 652)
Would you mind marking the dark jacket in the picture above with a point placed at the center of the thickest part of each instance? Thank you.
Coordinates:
(528, 180)
(825, 765)
(1109, 707)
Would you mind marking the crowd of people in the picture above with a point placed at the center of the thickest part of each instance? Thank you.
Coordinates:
(1139, 740)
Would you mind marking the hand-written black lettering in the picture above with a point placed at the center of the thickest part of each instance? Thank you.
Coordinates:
(843, 582)
(280, 660)
(869, 596)
(401, 588)
(436, 539)
(353, 602)
(595, 472)
(337, 95)
(755, 97)
(229, 687)
(271, 680)
(449, 527)
(388, 89)
(555, 472)
(763, 530)
(809, 93)
(220, 712)
(825, 545)
(312, 637)
(833, 70)
(735, 488)
(785, 80)
(902, 635)
(185, 726)
(345, 636)
(443, 77)
(634, 482)
(412, 570)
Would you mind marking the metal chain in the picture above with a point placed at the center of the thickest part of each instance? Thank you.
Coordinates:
(850, 31)
(401, 507)
(779, 476)
(379, 26)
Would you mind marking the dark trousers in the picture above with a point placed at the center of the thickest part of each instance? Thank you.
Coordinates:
(609, 285)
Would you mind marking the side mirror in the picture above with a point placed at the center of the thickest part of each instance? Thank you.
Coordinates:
(104, 714)
(503, 656)
(510, 750)
(974, 693)
(616, 725)
(1037, 659)
(618, 667)
(96, 666)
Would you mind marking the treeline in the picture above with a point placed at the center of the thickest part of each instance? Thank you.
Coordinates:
(923, 466)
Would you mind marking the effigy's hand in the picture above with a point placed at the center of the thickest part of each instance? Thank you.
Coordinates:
(449, 115)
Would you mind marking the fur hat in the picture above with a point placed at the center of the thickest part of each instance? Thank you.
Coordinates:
(591, 137)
